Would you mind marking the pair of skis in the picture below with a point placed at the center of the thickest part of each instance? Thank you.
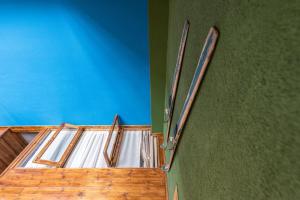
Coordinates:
(171, 100)
(205, 57)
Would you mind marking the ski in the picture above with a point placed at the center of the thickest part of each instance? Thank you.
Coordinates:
(204, 59)
(173, 90)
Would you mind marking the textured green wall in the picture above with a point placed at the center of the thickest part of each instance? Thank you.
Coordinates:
(158, 26)
(242, 137)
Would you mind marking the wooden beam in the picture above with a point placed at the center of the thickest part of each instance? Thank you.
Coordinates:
(24, 129)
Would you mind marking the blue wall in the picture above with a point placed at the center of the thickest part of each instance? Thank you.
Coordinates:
(77, 61)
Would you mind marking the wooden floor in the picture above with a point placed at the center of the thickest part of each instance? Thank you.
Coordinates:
(100, 184)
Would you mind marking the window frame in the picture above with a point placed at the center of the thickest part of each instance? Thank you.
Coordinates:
(38, 159)
(112, 160)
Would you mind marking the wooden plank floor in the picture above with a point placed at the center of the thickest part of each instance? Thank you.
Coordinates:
(102, 184)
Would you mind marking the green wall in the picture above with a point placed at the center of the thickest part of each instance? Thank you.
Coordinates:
(158, 27)
(242, 137)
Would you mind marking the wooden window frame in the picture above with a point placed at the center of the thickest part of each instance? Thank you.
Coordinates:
(42, 133)
(68, 150)
(112, 160)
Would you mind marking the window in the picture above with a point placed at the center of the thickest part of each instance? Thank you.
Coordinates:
(115, 134)
(58, 148)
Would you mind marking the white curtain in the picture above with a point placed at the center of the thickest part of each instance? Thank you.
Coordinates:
(130, 151)
(59, 145)
(88, 153)
(149, 153)
(28, 162)
(138, 149)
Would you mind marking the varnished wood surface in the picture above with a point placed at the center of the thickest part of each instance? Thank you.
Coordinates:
(204, 59)
(11, 144)
(115, 125)
(175, 195)
(176, 77)
(67, 152)
(161, 152)
(22, 129)
(45, 129)
(25, 152)
(60, 183)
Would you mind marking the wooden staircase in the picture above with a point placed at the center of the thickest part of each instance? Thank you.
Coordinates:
(11, 144)
(100, 184)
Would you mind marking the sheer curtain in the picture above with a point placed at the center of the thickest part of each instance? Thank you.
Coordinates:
(138, 149)
(130, 152)
(88, 153)
(28, 162)
(59, 145)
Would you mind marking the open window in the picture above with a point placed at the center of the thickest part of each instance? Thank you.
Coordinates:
(59, 147)
(69, 146)
(113, 143)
